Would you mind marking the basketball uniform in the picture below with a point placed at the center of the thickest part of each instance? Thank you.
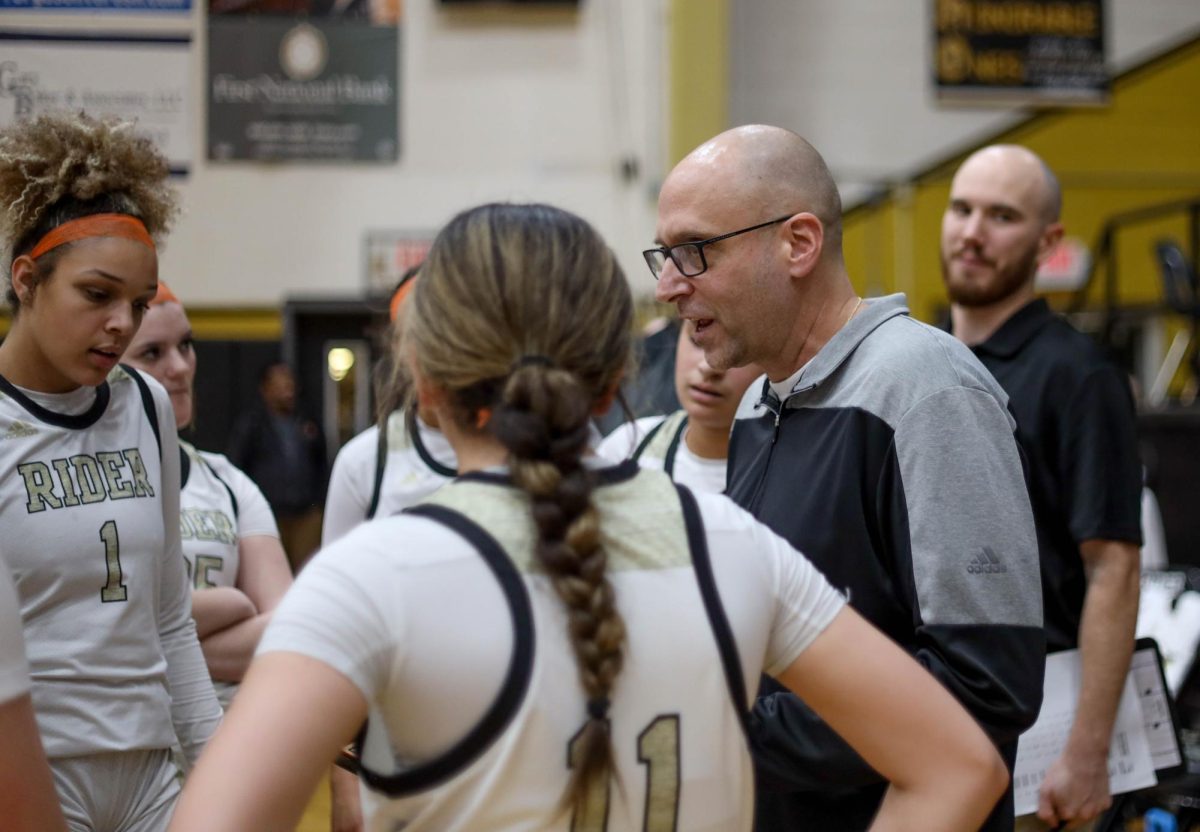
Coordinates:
(457, 640)
(90, 510)
(219, 506)
(376, 476)
(657, 442)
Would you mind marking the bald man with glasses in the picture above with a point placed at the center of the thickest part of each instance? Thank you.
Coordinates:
(878, 446)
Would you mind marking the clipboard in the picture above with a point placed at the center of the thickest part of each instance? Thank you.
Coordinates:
(1158, 710)
(1145, 749)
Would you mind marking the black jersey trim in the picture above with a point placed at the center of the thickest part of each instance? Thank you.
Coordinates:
(516, 680)
(611, 475)
(147, 403)
(71, 421)
(232, 499)
(185, 470)
(381, 450)
(726, 645)
(647, 439)
(410, 421)
(673, 448)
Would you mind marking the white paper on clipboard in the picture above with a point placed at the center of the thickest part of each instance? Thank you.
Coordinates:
(1130, 765)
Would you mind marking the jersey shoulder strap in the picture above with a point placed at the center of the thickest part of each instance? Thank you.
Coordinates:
(722, 631)
(228, 490)
(147, 403)
(663, 438)
(381, 452)
(516, 680)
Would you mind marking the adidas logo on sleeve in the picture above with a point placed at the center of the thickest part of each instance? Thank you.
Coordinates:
(986, 563)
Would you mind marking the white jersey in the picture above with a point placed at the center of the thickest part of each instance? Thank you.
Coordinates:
(658, 442)
(14, 670)
(90, 509)
(362, 485)
(219, 507)
(458, 641)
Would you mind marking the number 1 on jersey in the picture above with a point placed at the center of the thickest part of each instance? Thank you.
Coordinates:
(658, 750)
(114, 589)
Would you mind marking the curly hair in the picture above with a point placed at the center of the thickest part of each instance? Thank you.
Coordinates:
(57, 168)
(524, 317)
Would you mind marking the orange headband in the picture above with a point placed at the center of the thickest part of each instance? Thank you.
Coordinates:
(164, 295)
(399, 295)
(97, 225)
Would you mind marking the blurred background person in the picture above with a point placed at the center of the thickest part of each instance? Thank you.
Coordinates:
(284, 453)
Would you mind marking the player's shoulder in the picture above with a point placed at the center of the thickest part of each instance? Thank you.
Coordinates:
(360, 448)
(400, 540)
(222, 467)
(624, 439)
(126, 382)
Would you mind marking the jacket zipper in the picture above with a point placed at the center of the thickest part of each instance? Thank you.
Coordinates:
(776, 408)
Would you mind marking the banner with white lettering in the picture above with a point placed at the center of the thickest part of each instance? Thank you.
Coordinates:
(290, 88)
(138, 78)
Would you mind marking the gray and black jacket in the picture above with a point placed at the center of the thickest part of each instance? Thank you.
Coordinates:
(890, 462)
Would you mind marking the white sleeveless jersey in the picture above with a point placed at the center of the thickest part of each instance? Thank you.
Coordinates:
(102, 585)
(413, 466)
(458, 642)
(657, 442)
(218, 507)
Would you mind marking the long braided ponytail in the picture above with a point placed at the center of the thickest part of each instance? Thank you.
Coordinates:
(524, 317)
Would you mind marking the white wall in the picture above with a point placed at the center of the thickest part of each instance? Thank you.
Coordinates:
(854, 78)
(510, 110)
(489, 110)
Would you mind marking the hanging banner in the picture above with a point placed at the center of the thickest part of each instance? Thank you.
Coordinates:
(99, 5)
(1020, 51)
(303, 88)
(143, 79)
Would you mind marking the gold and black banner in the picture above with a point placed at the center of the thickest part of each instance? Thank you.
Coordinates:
(1020, 51)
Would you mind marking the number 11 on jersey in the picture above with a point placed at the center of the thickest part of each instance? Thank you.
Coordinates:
(658, 750)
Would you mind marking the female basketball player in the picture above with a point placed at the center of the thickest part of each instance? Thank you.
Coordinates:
(691, 444)
(89, 474)
(28, 802)
(549, 644)
(238, 567)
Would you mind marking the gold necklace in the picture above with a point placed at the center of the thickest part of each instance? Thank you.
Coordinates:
(853, 311)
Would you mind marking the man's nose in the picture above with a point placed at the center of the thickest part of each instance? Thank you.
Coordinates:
(672, 284)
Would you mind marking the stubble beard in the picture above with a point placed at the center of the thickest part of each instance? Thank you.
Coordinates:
(1003, 284)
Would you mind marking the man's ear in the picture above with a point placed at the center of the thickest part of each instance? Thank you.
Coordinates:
(1052, 234)
(23, 274)
(804, 236)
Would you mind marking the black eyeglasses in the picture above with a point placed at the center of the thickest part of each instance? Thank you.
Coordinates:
(689, 257)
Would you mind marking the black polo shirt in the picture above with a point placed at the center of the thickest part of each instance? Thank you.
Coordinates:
(1076, 424)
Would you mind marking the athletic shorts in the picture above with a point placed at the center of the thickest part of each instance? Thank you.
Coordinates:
(120, 791)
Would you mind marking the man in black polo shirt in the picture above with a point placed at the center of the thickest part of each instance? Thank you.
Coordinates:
(1075, 422)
